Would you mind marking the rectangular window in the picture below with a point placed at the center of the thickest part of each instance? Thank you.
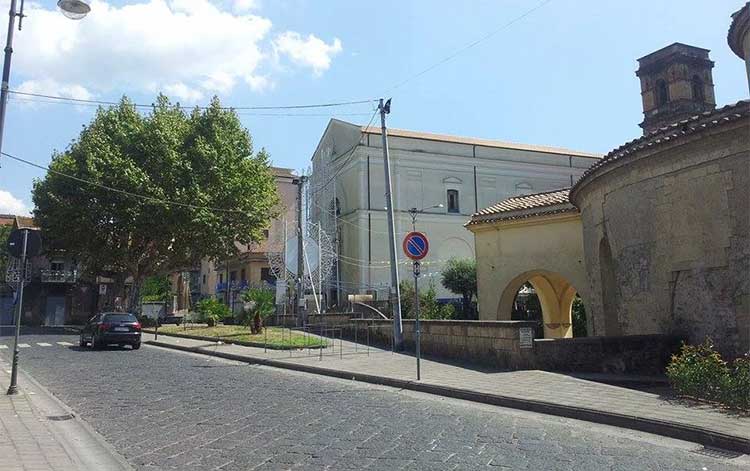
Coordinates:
(232, 275)
(57, 266)
(204, 278)
(243, 275)
(453, 201)
(221, 278)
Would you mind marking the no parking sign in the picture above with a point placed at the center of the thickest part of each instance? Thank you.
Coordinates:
(416, 245)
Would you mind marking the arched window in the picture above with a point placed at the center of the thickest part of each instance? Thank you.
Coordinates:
(662, 93)
(697, 85)
(453, 201)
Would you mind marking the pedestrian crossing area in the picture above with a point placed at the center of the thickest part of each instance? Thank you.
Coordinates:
(35, 344)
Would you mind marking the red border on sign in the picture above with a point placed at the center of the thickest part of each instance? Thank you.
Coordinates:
(426, 245)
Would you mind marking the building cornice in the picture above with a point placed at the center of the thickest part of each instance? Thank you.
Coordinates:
(670, 134)
(739, 28)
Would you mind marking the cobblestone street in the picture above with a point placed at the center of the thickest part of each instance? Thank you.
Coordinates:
(168, 410)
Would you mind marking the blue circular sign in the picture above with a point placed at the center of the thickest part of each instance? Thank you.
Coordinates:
(416, 245)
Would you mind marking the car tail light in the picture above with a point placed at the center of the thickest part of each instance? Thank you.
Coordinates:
(137, 326)
(104, 326)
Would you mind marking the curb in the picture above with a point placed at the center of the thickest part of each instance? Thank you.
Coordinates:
(679, 431)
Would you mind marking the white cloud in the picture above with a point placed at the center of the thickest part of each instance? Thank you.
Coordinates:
(183, 93)
(188, 48)
(9, 204)
(310, 52)
(245, 5)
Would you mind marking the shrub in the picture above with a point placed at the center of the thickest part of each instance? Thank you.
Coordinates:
(700, 372)
(263, 306)
(429, 307)
(211, 310)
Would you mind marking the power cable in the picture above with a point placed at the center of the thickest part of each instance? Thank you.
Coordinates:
(23, 99)
(467, 47)
(117, 190)
(138, 105)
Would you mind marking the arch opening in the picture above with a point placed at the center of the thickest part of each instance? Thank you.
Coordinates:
(547, 298)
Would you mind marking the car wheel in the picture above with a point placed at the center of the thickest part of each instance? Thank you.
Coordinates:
(136, 346)
(94, 343)
(81, 342)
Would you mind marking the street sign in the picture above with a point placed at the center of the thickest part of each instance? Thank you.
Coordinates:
(33, 243)
(416, 245)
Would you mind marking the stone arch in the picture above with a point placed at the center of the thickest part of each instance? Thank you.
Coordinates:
(556, 295)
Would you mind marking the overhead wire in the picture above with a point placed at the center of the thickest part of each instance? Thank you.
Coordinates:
(23, 99)
(141, 105)
(468, 46)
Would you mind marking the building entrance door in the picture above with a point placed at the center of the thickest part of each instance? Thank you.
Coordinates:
(54, 313)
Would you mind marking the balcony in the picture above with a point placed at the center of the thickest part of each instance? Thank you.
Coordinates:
(59, 276)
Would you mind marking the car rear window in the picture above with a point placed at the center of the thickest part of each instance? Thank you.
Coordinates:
(119, 318)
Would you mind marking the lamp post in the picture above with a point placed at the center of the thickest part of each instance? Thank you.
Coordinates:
(73, 9)
(417, 331)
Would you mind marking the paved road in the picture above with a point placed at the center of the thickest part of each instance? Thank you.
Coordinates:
(170, 410)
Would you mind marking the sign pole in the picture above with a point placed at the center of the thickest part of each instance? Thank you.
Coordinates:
(418, 332)
(13, 388)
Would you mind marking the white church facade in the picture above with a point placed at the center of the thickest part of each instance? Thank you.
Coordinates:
(427, 170)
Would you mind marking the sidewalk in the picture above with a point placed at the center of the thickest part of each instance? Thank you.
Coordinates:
(38, 433)
(538, 391)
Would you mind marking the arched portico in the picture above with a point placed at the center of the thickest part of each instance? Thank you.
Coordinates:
(556, 295)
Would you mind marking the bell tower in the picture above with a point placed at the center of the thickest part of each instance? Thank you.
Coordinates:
(676, 83)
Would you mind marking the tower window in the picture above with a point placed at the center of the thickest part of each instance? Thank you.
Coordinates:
(662, 94)
(697, 85)
(453, 201)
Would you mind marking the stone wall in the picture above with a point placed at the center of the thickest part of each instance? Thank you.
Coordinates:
(494, 343)
(642, 354)
(666, 236)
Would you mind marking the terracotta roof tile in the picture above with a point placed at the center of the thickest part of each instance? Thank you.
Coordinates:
(674, 131)
(519, 207)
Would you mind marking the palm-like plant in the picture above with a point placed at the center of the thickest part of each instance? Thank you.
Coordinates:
(262, 307)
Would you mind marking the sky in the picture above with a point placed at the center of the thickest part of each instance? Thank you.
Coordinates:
(563, 75)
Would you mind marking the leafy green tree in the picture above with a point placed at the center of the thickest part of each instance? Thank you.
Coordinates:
(460, 277)
(429, 307)
(203, 160)
(211, 311)
(156, 288)
(578, 313)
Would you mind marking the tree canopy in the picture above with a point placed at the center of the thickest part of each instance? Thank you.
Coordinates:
(460, 277)
(202, 189)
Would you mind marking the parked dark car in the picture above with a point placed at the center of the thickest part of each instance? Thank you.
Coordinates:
(109, 328)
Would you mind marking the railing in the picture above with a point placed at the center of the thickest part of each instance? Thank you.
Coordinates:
(59, 276)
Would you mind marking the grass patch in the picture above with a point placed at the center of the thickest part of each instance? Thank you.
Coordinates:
(273, 337)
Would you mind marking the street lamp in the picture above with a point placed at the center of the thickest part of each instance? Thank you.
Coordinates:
(414, 211)
(73, 9)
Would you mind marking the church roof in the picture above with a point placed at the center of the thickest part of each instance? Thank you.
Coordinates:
(520, 207)
(478, 142)
(670, 133)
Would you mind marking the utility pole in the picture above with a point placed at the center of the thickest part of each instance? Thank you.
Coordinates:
(300, 250)
(398, 329)
(13, 388)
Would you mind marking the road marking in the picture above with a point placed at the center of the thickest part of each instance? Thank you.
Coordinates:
(23, 345)
(3, 347)
(65, 344)
(44, 344)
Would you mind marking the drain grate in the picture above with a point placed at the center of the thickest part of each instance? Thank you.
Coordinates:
(717, 452)
(60, 418)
